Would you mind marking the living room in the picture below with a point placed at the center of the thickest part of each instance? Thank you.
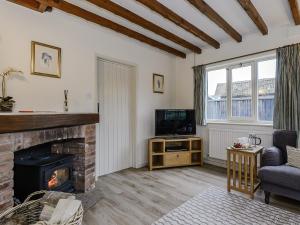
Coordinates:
(149, 111)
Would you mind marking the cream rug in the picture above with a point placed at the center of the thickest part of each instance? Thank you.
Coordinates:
(216, 206)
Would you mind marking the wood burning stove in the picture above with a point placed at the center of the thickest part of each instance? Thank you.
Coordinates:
(37, 169)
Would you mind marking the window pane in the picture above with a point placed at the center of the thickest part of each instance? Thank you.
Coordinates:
(217, 95)
(241, 91)
(266, 89)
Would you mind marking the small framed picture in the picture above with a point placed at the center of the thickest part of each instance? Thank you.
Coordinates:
(45, 60)
(158, 83)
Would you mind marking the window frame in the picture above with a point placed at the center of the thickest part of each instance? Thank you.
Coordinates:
(254, 83)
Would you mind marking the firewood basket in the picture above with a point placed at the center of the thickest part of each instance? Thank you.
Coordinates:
(28, 213)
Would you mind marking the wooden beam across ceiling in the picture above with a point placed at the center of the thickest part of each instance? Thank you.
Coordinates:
(254, 15)
(134, 18)
(43, 7)
(204, 8)
(32, 4)
(295, 11)
(179, 21)
(94, 18)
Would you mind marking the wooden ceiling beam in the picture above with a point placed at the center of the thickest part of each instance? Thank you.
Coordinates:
(134, 18)
(204, 8)
(32, 4)
(43, 7)
(254, 15)
(94, 18)
(179, 21)
(295, 11)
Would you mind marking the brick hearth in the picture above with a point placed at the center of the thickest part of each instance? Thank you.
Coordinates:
(78, 140)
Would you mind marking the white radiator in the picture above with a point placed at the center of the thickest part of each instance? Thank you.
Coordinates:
(222, 136)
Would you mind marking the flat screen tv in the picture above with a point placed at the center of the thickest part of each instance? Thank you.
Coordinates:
(171, 122)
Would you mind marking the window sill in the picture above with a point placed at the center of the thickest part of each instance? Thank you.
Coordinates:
(241, 123)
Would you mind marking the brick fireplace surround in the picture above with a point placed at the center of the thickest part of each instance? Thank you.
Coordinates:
(78, 140)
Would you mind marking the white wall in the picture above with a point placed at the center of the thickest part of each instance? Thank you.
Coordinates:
(81, 42)
(252, 43)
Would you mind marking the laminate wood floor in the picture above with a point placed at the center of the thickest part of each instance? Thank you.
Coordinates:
(140, 197)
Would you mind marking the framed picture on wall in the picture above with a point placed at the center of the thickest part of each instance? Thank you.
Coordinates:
(45, 60)
(158, 83)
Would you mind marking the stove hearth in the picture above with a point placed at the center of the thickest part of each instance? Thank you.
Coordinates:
(37, 168)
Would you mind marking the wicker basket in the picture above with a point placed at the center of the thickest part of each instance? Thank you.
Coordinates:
(28, 213)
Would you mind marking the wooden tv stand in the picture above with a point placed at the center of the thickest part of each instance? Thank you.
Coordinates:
(173, 152)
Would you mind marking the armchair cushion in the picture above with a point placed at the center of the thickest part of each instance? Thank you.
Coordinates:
(284, 176)
(293, 156)
(282, 138)
(272, 157)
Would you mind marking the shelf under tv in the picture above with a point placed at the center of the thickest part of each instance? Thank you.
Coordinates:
(187, 151)
(177, 150)
(176, 137)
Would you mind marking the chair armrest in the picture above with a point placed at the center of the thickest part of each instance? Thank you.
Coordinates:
(272, 157)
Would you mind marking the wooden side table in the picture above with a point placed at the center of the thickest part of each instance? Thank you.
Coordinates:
(242, 169)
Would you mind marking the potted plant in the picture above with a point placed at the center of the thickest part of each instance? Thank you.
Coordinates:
(7, 102)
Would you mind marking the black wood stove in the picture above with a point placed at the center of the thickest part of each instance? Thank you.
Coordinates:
(37, 169)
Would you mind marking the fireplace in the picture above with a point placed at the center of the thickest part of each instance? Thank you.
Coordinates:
(69, 135)
(37, 168)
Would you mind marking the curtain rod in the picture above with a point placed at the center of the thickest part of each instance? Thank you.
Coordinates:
(237, 57)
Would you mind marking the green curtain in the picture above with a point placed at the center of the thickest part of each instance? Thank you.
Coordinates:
(200, 86)
(287, 89)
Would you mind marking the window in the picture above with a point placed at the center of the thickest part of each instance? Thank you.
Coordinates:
(242, 92)
(266, 89)
(217, 95)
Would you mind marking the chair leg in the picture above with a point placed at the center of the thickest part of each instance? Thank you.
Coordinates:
(267, 197)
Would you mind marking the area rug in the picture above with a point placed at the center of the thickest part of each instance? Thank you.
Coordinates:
(217, 206)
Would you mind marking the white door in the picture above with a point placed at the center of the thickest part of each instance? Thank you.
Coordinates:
(116, 101)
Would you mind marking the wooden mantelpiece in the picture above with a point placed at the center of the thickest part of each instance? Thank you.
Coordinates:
(10, 123)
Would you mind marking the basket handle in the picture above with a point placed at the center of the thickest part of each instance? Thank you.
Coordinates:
(34, 194)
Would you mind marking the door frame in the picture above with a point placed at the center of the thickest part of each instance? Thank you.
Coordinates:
(133, 107)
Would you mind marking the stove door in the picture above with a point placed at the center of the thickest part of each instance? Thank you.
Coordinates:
(58, 177)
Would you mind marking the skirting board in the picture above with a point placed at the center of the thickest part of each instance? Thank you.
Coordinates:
(141, 165)
(215, 162)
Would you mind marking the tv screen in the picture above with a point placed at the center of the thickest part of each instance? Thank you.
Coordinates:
(175, 122)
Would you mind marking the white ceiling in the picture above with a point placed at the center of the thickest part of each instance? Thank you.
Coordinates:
(275, 13)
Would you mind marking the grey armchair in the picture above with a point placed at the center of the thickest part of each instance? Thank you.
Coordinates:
(277, 177)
